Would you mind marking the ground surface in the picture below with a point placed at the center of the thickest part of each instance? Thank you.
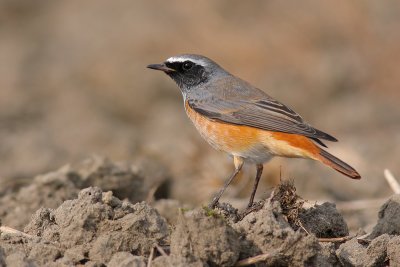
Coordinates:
(74, 82)
(102, 213)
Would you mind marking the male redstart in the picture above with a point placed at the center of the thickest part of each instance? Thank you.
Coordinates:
(242, 120)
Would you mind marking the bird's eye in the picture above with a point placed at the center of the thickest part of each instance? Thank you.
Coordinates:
(187, 65)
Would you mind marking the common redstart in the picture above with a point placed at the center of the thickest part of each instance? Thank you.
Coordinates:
(242, 120)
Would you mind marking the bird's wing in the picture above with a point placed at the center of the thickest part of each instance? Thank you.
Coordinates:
(264, 113)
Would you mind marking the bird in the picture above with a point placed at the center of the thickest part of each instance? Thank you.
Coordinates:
(236, 117)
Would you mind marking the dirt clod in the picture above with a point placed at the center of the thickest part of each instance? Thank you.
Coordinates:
(388, 218)
(327, 256)
(267, 230)
(324, 221)
(393, 251)
(88, 229)
(352, 253)
(289, 201)
(376, 250)
(204, 237)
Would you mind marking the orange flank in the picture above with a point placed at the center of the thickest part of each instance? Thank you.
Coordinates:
(298, 141)
(243, 140)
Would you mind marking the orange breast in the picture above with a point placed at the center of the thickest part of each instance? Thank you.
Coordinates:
(250, 142)
(223, 136)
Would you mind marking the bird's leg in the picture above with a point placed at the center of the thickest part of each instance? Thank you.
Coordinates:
(258, 176)
(238, 161)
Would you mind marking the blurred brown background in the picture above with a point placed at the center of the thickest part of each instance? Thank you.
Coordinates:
(73, 82)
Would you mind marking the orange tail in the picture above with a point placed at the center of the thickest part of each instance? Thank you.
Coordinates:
(338, 165)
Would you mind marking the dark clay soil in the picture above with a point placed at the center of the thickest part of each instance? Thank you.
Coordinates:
(105, 214)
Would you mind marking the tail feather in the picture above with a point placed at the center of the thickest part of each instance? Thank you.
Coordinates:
(338, 165)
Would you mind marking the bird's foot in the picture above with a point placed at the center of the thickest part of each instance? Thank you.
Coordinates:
(214, 203)
(255, 206)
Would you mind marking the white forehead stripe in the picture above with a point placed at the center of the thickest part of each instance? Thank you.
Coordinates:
(183, 59)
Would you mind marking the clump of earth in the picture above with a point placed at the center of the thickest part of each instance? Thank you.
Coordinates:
(107, 214)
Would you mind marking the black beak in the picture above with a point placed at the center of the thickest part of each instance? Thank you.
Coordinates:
(161, 67)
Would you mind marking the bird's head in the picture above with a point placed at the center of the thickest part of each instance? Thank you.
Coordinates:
(189, 70)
